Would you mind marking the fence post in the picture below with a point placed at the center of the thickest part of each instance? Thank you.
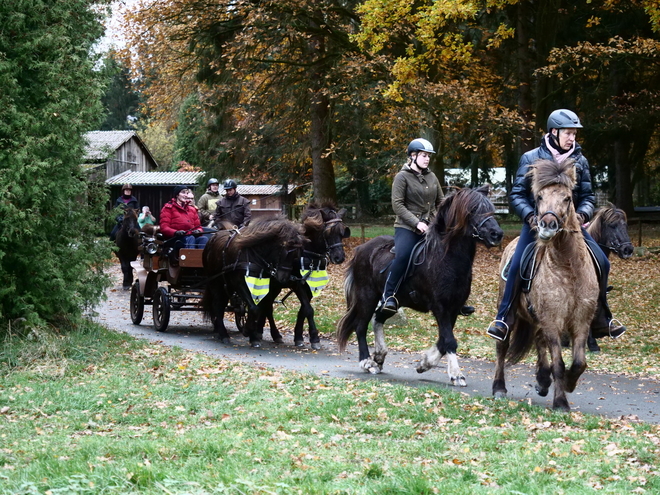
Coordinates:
(639, 236)
(362, 232)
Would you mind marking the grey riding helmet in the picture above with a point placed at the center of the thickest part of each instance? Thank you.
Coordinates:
(420, 144)
(212, 181)
(563, 119)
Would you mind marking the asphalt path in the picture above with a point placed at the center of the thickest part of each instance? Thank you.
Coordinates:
(608, 395)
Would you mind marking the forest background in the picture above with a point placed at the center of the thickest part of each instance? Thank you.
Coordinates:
(330, 92)
(320, 92)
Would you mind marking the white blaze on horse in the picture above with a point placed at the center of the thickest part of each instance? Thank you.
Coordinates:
(563, 294)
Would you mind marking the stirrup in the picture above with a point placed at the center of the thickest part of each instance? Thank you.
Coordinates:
(388, 311)
(619, 325)
(498, 336)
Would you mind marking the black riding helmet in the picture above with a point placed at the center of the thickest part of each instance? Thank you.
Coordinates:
(229, 184)
(563, 119)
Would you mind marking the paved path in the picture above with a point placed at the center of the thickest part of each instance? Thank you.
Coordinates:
(609, 395)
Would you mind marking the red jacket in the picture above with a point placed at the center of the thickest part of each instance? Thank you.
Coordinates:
(174, 217)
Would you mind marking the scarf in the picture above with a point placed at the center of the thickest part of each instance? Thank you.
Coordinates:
(557, 154)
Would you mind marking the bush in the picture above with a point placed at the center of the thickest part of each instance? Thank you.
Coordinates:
(51, 263)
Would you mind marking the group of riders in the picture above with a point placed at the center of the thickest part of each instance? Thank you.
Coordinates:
(416, 196)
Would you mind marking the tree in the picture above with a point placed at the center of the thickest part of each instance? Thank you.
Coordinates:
(120, 100)
(51, 262)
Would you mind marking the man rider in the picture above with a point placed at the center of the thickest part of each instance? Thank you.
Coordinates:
(558, 144)
(232, 208)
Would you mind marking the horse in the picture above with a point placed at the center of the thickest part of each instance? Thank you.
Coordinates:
(440, 281)
(563, 296)
(324, 232)
(609, 228)
(128, 243)
(268, 246)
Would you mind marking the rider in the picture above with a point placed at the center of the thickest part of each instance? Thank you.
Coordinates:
(416, 195)
(179, 220)
(210, 198)
(233, 207)
(126, 200)
(558, 144)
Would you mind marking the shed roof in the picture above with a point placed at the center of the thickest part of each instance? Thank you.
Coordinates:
(155, 178)
(100, 144)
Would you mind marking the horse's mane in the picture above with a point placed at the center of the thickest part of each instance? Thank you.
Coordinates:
(453, 218)
(546, 173)
(316, 215)
(605, 214)
(268, 231)
(130, 213)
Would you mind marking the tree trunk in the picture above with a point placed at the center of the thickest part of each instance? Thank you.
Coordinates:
(623, 186)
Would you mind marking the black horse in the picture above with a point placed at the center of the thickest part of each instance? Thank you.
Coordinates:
(268, 249)
(128, 242)
(324, 232)
(609, 228)
(440, 281)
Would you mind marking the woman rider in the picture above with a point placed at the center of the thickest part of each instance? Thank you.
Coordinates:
(558, 144)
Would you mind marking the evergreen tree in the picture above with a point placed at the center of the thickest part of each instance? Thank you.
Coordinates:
(120, 100)
(50, 259)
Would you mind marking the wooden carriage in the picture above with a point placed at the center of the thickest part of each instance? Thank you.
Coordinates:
(170, 288)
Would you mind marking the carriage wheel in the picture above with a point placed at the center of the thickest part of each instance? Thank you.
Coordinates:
(136, 304)
(161, 309)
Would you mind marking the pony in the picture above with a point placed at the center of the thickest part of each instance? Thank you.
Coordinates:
(563, 296)
(324, 231)
(128, 244)
(440, 281)
(609, 228)
(268, 246)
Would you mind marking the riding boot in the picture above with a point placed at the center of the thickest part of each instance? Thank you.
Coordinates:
(604, 324)
(499, 329)
(388, 304)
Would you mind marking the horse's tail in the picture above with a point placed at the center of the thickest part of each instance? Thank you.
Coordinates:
(521, 341)
(346, 325)
(206, 303)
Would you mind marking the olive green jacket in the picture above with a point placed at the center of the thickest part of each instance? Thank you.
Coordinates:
(415, 197)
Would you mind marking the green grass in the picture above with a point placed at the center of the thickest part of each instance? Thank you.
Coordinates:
(103, 413)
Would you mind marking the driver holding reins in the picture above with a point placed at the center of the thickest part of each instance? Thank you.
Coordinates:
(558, 144)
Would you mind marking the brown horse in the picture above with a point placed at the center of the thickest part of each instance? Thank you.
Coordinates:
(128, 242)
(563, 296)
(266, 248)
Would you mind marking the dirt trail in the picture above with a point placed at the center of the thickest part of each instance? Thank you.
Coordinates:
(609, 395)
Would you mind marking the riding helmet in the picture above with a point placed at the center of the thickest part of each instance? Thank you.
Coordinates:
(420, 144)
(126, 186)
(229, 184)
(563, 119)
(212, 181)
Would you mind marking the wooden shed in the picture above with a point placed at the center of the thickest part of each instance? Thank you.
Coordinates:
(110, 153)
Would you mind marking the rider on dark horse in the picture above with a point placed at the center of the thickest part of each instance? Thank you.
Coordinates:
(558, 144)
(126, 200)
(416, 195)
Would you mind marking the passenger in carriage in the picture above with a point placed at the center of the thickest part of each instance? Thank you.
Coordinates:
(146, 218)
(232, 209)
(179, 222)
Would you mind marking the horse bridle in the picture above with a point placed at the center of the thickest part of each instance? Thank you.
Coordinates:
(476, 228)
(328, 225)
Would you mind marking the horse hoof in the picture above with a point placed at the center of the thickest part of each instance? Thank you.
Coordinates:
(459, 381)
(255, 345)
(316, 345)
(561, 405)
(500, 394)
(299, 343)
(126, 287)
(421, 370)
(374, 370)
(541, 391)
(279, 340)
(226, 341)
(594, 348)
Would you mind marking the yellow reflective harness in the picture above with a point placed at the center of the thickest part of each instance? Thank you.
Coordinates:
(258, 285)
(316, 276)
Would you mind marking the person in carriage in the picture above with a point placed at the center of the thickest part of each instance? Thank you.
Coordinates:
(416, 195)
(126, 200)
(559, 144)
(179, 223)
(233, 209)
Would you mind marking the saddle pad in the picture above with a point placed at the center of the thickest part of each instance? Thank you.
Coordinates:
(526, 264)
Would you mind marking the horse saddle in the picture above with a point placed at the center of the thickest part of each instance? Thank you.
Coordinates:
(528, 265)
(413, 261)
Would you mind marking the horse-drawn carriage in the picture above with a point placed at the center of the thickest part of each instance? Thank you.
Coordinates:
(172, 288)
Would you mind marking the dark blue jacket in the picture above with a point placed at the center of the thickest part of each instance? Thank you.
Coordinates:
(521, 198)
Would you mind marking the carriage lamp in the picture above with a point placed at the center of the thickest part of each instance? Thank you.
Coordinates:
(150, 246)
